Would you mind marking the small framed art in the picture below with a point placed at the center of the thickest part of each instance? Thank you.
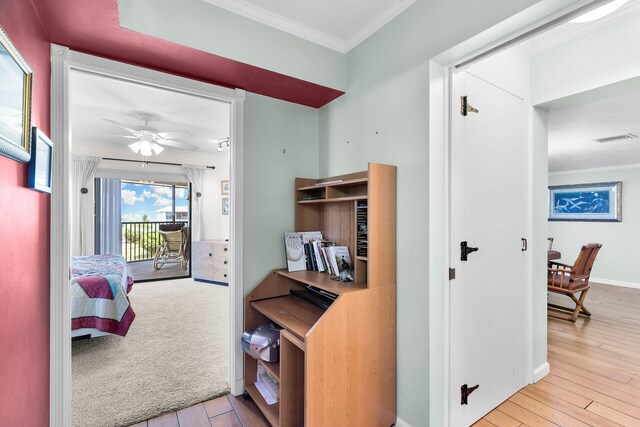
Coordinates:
(225, 206)
(225, 188)
(601, 201)
(40, 163)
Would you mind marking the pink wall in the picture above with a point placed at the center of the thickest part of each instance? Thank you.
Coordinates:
(24, 249)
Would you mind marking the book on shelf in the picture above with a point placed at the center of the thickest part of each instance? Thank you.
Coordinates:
(298, 249)
(343, 259)
(326, 257)
(362, 228)
(331, 252)
(316, 252)
(307, 257)
(294, 252)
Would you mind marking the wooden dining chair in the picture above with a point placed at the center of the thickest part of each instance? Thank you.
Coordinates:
(571, 280)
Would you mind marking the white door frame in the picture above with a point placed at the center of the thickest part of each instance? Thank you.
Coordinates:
(441, 102)
(63, 60)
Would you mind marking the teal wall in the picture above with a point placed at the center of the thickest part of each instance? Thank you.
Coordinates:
(540, 159)
(601, 58)
(272, 126)
(201, 25)
(617, 260)
(384, 117)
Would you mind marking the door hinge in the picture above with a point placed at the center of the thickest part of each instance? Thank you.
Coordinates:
(465, 391)
(465, 107)
(452, 273)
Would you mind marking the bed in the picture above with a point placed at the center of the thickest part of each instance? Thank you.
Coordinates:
(99, 288)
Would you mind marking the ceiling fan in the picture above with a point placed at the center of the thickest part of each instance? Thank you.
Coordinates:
(149, 140)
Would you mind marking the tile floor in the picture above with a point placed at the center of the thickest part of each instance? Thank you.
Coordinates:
(225, 411)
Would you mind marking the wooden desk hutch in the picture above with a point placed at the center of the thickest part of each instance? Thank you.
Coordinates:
(337, 367)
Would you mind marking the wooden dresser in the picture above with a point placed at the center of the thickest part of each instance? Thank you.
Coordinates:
(337, 366)
(210, 261)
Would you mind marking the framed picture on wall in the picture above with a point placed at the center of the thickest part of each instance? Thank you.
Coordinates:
(15, 102)
(40, 163)
(225, 188)
(225, 206)
(601, 201)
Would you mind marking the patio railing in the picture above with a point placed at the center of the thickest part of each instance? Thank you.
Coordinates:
(140, 239)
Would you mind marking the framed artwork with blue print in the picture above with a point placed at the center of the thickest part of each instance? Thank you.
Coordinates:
(40, 163)
(601, 201)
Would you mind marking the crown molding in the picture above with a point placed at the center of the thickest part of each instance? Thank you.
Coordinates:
(305, 32)
(378, 22)
(569, 32)
(596, 169)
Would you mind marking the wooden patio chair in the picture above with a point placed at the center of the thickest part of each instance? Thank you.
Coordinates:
(572, 279)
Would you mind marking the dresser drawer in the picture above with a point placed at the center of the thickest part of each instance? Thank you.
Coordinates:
(221, 262)
(220, 248)
(220, 275)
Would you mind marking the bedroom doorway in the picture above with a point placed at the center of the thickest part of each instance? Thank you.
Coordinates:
(208, 164)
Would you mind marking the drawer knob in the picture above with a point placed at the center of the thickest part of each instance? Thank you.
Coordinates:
(225, 262)
(210, 254)
(225, 249)
(225, 275)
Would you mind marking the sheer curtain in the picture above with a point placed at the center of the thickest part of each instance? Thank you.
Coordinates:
(196, 178)
(109, 229)
(83, 171)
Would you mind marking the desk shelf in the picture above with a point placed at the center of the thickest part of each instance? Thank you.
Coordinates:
(322, 281)
(331, 358)
(271, 412)
(293, 314)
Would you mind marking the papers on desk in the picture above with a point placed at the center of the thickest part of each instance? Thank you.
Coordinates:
(268, 387)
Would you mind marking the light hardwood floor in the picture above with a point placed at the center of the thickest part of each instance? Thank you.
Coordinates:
(595, 369)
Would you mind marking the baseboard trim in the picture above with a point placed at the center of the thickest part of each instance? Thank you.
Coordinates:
(402, 423)
(615, 282)
(213, 282)
(237, 388)
(541, 371)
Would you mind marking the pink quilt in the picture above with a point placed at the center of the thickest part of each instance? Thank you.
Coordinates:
(99, 288)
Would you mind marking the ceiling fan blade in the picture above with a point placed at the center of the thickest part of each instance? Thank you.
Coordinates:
(133, 131)
(120, 136)
(175, 135)
(176, 144)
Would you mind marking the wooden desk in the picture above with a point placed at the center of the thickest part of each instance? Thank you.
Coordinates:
(551, 255)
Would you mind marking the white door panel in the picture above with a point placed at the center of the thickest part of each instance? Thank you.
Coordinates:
(488, 190)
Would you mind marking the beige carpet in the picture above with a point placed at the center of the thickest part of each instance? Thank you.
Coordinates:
(175, 355)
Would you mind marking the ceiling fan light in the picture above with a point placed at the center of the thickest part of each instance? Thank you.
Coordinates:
(135, 147)
(157, 148)
(599, 12)
(145, 148)
(146, 152)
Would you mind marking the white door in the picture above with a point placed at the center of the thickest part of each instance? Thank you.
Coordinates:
(488, 190)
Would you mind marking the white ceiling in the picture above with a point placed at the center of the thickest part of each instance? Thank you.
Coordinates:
(570, 31)
(572, 132)
(337, 24)
(94, 97)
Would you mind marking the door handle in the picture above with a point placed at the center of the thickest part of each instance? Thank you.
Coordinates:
(525, 244)
(465, 250)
